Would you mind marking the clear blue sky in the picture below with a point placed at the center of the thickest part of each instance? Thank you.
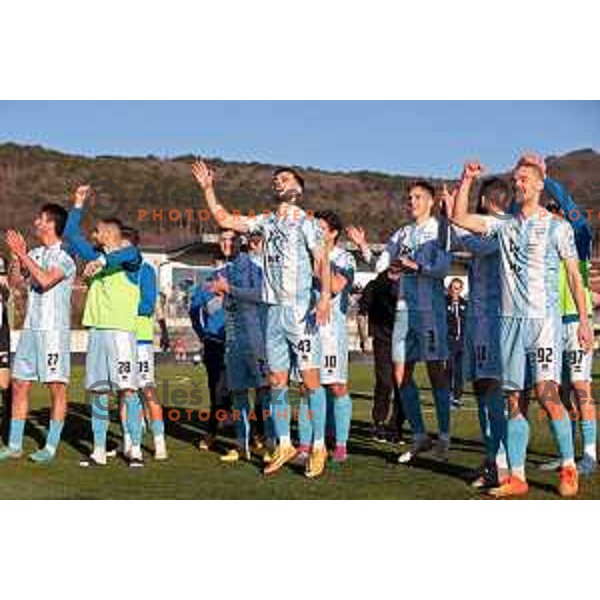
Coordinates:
(429, 138)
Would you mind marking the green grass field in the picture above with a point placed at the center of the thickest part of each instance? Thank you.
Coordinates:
(370, 473)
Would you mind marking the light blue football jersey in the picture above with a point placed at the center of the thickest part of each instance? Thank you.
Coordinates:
(531, 250)
(342, 263)
(426, 245)
(290, 240)
(483, 271)
(50, 310)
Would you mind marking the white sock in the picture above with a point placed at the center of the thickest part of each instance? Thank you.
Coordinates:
(99, 450)
(590, 450)
(285, 440)
(518, 472)
(126, 442)
(569, 462)
(501, 461)
(319, 445)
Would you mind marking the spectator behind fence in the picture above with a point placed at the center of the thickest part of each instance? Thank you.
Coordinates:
(161, 318)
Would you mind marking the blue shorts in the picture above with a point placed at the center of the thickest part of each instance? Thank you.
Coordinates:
(419, 336)
(43, 356)
(246, 370)
(292, 339)
(334, 353)
(482, 349)
(530, 351)
(111, 361)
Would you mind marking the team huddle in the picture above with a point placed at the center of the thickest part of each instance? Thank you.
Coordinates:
(285, 300)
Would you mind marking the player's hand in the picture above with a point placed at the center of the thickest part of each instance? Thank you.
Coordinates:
(323, 310)
(472, 170)
(221, 285)
(585, 336)
(203, 174)
(356, 235)
(407, 264)
(81, 195)
(16, 243)
(93, 267)
(447, 198)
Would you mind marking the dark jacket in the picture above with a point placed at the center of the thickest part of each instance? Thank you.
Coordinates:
(456, 313)
(378, 303)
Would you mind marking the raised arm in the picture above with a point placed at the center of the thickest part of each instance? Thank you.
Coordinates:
(573, 214)
(205, 177)
(78, 245)
(358, 237)
(460, 213)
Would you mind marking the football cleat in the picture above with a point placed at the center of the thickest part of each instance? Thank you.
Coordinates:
(7, 453)
(486, 478)
(340, 455)
(42, 456)
(281, 456)
(316, 463)
(568, 484)
(207, 442)
(95, 459)
(418, 446)
(587, 466)
(442, 449)
(509, 487)
(234, 456)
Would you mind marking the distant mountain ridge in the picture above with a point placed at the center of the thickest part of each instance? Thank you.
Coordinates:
(31, 175)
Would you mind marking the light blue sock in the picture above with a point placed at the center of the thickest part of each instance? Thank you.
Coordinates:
(517, 440)
(411, 403)
(158, 427)
(305, 422)
(441, 397)
(133, 412)
(280, 412)
(15, 438)
(589, 432)
(242, 423)
(53, 437)
(317, 402)
(100, 419)
(561, 429)
(342, 408)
